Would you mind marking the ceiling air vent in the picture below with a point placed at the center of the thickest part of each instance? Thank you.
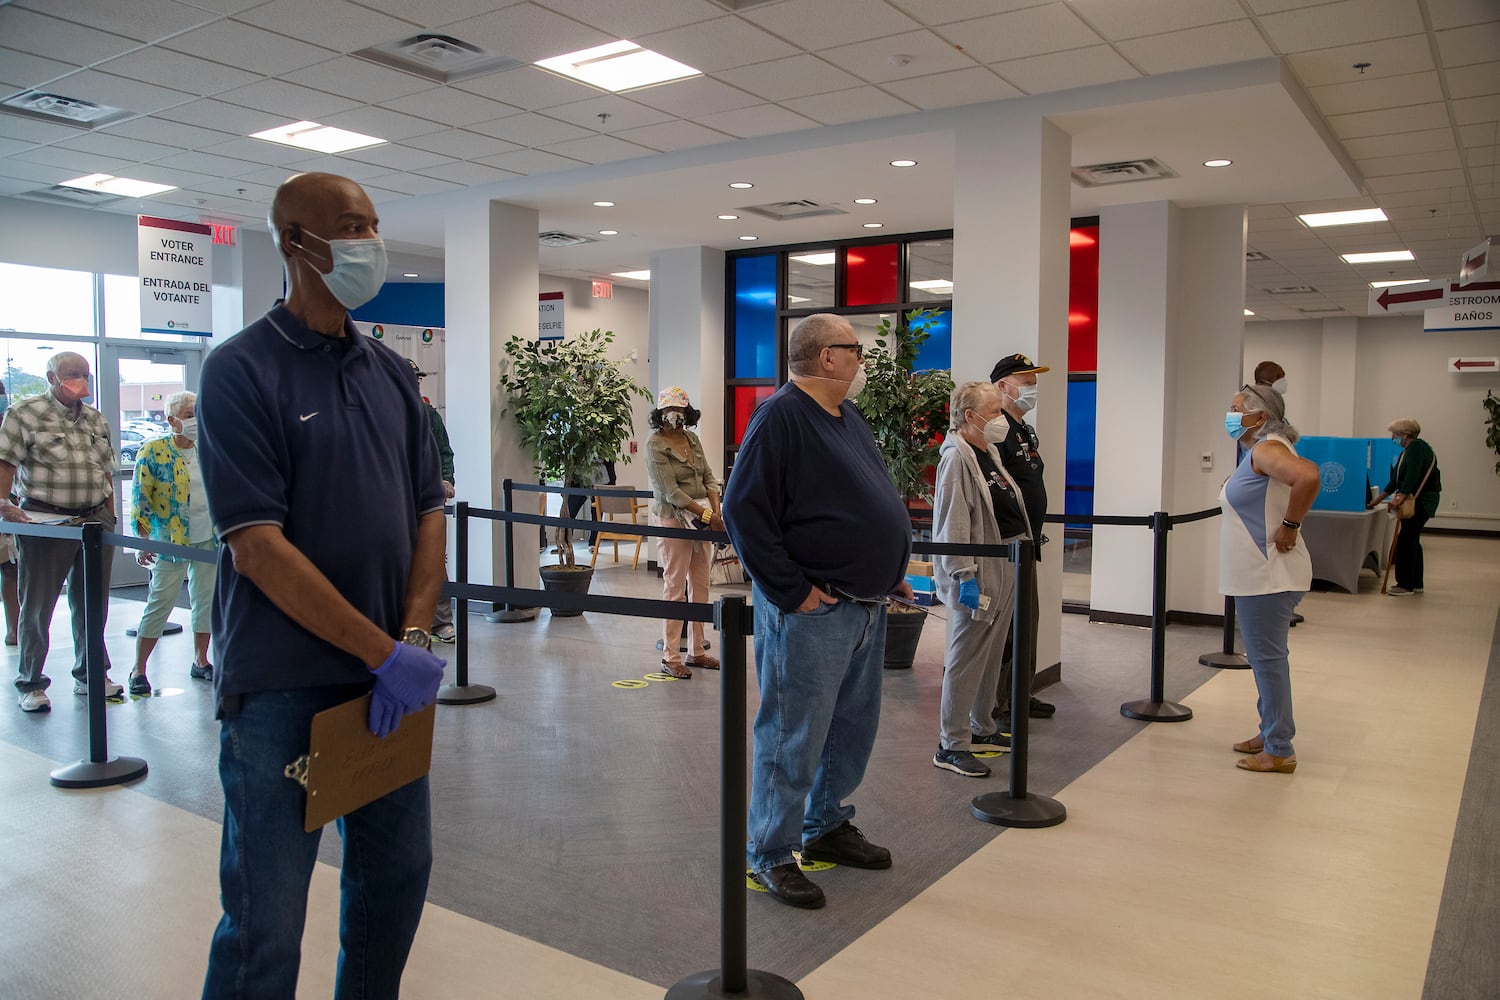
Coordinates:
(1291, 290)
(1124, 172)
(786, 211)
(62, 110)
(57, 194)
(735, 6)
(1255, 255)
(1320, 310)
(440, 58)
(556, 239)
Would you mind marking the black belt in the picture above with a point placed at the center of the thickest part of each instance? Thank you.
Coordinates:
(833, 590)
(52, 508)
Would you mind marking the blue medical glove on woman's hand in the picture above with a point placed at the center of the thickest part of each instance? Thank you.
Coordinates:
(968, 594)
(406, 682)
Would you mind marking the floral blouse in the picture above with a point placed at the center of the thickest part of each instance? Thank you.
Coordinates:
(159, 494)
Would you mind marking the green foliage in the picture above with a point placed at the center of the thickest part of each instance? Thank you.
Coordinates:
(907, 410)
(572, 405)
(1492, 424)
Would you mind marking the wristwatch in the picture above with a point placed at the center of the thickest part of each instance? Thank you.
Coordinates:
(417, 637)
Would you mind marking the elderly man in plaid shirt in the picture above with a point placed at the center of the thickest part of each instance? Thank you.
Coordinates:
(55, 451)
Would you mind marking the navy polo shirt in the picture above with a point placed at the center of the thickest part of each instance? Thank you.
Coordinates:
(328, 439)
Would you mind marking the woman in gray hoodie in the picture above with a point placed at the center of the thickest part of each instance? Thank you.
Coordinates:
(977, 503)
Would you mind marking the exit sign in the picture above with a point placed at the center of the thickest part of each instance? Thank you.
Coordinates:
(604, 290)
(223, 234)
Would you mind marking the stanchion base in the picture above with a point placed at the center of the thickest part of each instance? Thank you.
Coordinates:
(1029, 813)
(170, 628)
(710, 984)
(88, 774)
(465, 694)
(1156, 711)
(509, 616)
(1229, 661)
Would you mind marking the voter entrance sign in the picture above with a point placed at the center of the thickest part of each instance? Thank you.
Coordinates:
(175, 262)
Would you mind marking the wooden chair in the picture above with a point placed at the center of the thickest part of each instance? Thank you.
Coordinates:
(615, 509)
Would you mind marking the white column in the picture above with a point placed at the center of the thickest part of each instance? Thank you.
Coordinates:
(687, 335)
(1336, 379)
(490, 295)
(1010, 293)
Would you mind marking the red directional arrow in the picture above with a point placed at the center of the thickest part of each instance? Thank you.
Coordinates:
(1475, 263)
(1473, 364)
(1388, 299)
(1475, 286)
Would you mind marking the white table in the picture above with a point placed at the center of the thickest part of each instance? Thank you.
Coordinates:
(1342, 543)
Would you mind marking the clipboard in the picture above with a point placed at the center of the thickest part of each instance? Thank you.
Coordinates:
(348, 766)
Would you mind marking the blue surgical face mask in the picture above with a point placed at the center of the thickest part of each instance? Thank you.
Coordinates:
(359, 268)
(1234, 423)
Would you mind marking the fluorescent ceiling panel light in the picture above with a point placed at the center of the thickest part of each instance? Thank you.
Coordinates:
(821, 259)
(604, 204)
(865, 201)
(903, 163)
(411, 274)
(874, 225)
(1217, 163)
(319, 138)
(1403, 281)
(935, 285)
(728, 218)
(1377, 257)
(123, 186)
(1249, 313)
(619, 66)
(741, 185)
(633, 275)
(1315, 220)
(609, 232)
(747, 239)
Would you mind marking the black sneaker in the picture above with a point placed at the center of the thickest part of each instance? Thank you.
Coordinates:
(787, 884)
(960, 762)
(203, 673)
(140, 684)
(1042, 709)
(999, 742)
(845, 845)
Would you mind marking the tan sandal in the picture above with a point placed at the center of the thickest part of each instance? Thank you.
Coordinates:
(677, 670)
(704, 661)
(1266, 763)
(1253, 745)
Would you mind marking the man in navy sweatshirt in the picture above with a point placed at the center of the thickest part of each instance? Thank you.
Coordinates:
(824, 537)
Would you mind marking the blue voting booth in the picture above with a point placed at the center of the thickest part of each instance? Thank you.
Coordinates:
(1343, 464)
(1383, 455)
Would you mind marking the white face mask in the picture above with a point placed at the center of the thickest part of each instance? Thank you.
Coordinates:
(1025, 400)
(190, 429)
(1279, 385)
(856, 386)
(672, 419)
(997, 430)
(359, 268)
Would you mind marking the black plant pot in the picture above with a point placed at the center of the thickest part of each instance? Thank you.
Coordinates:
(566, 580)
(903, 631)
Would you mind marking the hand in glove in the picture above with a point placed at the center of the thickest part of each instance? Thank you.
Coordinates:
(406, 682)
(968, 594)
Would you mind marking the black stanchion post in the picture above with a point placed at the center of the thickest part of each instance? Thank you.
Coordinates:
(510, 614)
(1018, 807)
(732, 979)
(99, 769)
(462, 692)
(1157, 708)
(1226, 657)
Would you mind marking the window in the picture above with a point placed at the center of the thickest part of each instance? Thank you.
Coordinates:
(46, 300)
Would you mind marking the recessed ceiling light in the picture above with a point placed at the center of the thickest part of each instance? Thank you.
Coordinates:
(619, 66)
(864, 201)
(319, 138)
(741, 185)
(1378, 257)
(821, 259)
(604, 204)
(1314, 220)
(749, 238)
(903, 163)
(118, 185)
(935, 285)
(609, 232)
(1217, 163)
(1249, 313)
(1403, 281)
(633, 275)
(874, 225)
(728, 218)
(411, 274)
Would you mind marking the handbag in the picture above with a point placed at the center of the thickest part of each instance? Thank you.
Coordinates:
(726, 566)
(1408, 505)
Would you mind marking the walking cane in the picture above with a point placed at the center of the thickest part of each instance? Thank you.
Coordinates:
(1390, 559)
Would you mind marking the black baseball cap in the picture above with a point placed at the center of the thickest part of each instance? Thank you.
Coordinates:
(418, 372)
(1015, 364)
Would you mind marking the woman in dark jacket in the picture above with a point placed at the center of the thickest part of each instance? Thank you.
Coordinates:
(1414, 474)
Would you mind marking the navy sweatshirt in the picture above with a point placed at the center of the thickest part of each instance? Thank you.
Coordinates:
(810, 499)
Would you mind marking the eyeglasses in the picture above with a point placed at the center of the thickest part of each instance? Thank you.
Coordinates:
(858, 349)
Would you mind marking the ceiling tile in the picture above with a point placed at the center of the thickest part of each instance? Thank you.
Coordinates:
(636, 18)
(460, 172)
(1457, 13)
(1473, 135)
(394, 156)
(532, 161)
(1425, 141)
(1466, 46)
(1415, 182)
(73, 159)
(1341, 24)
(413, 184)
(230, 117)
(1382, 166)
(272, 176)
(348, 75)
(105, 144)
(527, 32)
(464, 145)
(288, 100)
(950, 90)
(622, 112)
(849, 105)
(918, 53)
(41, 173)
(692, 98)
(723, 43)
(24, 70)
(1115, 20)
(1387, 57)
(243, 190)
(530, 130)
(178, 70)
(431, 13)
(343, 166)
(47, 36)
(823, 24)
(798, 76)
(677, 134)
(528, 87)
(1439, 199)
(31, 130)
(1477, 110)
(145, 20)
(1378, 92)
(1066, 70)
(158, 174)
(762, 119)
(380, 122)
(256, 151)
(334, 24)
(1477, 80)
(11, 185)
(205, 163)
(9, 147)
(1210, 46)
(932, 12)
(116, 91)
(249, 47)
(1412, 119)
(1021, 33)
(596, 149)
(450, 106)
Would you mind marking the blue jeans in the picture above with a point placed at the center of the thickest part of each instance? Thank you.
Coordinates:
(1264, 622)
(820, 676)
(266, 861)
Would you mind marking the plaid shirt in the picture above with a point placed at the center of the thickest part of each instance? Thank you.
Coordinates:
(59, 460)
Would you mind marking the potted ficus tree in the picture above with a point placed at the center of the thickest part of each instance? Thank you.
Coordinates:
(572, 406)
(907, 410)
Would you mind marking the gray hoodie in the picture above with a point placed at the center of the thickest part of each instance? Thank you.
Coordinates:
(964, 514)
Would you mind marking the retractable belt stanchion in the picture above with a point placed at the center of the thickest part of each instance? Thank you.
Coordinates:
(732, 617)
(1157, 708)
(100, 769)
(1226, 657)
(462, 692)
(1018, 807)
(510, 613)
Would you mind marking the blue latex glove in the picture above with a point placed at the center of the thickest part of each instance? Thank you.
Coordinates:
(406, 682)
(968, 594)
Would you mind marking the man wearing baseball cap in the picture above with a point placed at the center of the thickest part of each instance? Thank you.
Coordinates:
(1015, 376)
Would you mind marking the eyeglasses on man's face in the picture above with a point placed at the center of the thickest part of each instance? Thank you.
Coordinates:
(858, 349)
